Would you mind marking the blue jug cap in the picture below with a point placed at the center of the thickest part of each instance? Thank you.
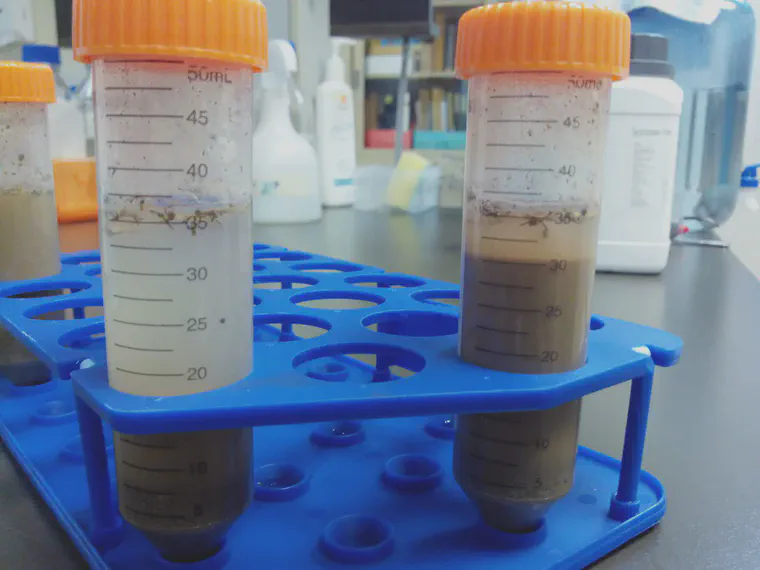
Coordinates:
(749, 177)
(38, 53)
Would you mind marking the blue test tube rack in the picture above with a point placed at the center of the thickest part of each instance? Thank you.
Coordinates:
(352, 460)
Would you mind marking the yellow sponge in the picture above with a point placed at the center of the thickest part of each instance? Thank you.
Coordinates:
(405, 180)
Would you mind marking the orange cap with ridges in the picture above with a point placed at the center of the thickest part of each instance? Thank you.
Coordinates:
(233, 31)
(544, 36)
(26, 83)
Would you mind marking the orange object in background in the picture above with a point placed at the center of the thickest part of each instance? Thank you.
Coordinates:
(76, 190)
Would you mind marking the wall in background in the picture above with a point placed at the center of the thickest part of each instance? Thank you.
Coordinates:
(278, 16)
(45, 22)
(310, 31)
(63, 12)
(46, 26)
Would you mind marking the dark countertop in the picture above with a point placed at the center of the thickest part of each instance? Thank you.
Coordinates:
(703, 430)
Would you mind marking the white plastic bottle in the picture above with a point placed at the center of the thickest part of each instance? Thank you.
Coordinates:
(285, 167)
(336, 132)
(642, 148)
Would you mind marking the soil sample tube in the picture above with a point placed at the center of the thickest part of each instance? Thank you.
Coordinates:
(540, 80)
(29, 246)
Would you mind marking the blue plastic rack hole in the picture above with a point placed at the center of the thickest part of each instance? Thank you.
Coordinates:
(43, 290)
(278, 482)
(85, 337)
(343, 433)
(281, 255)
(369, 362)
(55, 412)
(337, 300)
(439, 297)
(282, 282)
(443, 427)
(37, 380)
(413, 323)
(412, 473)
(385, 281)
(587, 499)
(356, 539)
(287, 328)
(59, 310)
(328, 371)
(82, 259)
(328, 267)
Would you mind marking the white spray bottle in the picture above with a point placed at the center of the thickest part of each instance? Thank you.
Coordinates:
(336, 131)
(285, 167)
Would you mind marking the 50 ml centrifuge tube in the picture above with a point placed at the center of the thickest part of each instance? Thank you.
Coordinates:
(28, 219)
(540, 77)
(173, 117)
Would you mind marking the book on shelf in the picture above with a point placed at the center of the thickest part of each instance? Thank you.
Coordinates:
(423, 110)
(439, 45)
(371, 110)
(438, 111)
(450, 46)
(438, 105)
(384, 56)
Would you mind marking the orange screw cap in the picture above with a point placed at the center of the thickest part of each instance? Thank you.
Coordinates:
(233, 31)
(544, 36)
(26, 83)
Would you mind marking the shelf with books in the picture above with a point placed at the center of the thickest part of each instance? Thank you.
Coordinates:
(435, 110)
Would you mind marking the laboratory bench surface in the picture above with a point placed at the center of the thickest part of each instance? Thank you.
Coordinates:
(704, 426)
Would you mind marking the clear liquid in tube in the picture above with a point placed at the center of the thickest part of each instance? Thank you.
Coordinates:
(178, 281)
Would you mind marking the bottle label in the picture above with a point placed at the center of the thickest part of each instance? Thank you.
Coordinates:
(337, 146)
(640, 178)
(343, 103)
